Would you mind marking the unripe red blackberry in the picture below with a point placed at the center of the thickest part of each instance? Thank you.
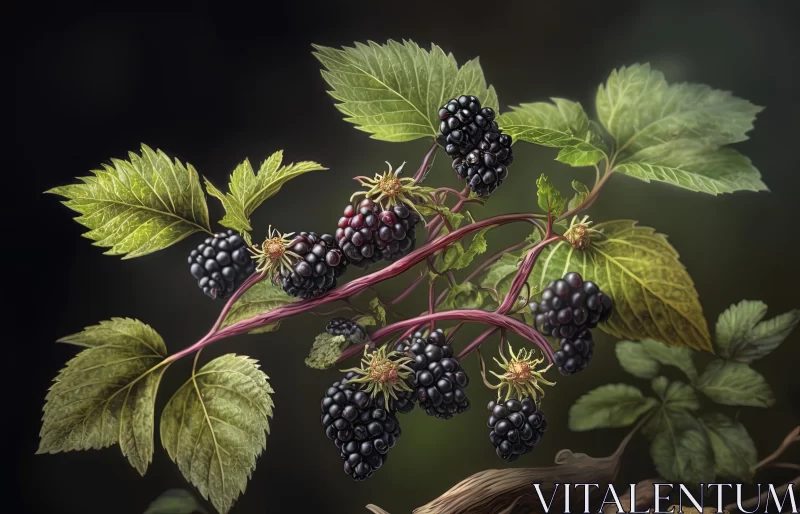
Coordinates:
(356, 231)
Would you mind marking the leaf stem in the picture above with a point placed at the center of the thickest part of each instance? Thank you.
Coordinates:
(524, 272)
(427, 163)
(477, 342)
(402, 296)
(590, 199)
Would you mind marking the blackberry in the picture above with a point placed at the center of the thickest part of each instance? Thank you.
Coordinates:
(569, 306)
(356, 233)
(438, 377)
(361, 429)
(320, 262)
(221, 263)
(397, 234)
(347, 327)
(462, 125)
(486, 167)
(575, 353)
(516, 427)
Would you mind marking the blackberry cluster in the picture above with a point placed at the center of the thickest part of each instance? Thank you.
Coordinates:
(438, 377)
(575, 353)
(569, 306)
(355, 234)
(221, 263)
(481, 153)
(369, 234)
(397, 234)
(404, 403)
(348, 328)
(363, 431)
(516, 427)
(315, 272)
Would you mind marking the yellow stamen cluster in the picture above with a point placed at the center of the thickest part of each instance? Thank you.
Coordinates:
(389, 189)
(383, 373)
(520, 375)
(579, 234)
(274, 254)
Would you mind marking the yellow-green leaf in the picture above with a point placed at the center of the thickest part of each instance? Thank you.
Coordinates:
(394, 91)
(262, 297)
(581, 194)
(549, 197)
(138, 206)
(106, 394)
(247, 189)
(463, 296)
(654, 297)
(378, 310)
(215, 427)
(677, 133)
(325, 351)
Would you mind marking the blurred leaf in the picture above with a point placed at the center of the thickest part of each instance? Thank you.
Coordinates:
(654, 296)
(675, 395)
(549, 197)
(735, 383)
(175, 501)
(612, 405)
(394, 91)
(463, 296)
(681, 450)
(215, 426)
(735, 452)
(325, 351)
(581, 194)
(106, 394)
(677, 133)
(248, 190)
(562, 124)
(139, 206)
(262, 297)
(378, 310)
(743, 337)
(643, 359)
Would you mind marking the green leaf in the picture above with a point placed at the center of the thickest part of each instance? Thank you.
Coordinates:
(643, 359)
(138, 206)
(743, 337)
(175, 501)
(677, 133)
(562, 124)
(676, 395)
(378, 310)
(549, 197)
(463, 296)
(681, 450)
(454, 257)
(581, 194)
(735, 452)
(247, 189)
(262, 297)
(325, 351)
(394, 91)
(105, 395)
(735, 383)
(501, 273)
(215, 426)
(654, 297)
(431, 209)
(612, 405)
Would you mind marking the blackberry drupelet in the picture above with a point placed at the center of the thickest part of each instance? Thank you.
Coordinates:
(346, 327)
(315, 272)
(569, 306)
(221, 263)
(516, 427)
(462, 125)
(356, 233)
(575, 353)
(396, 236)
(361, 429)
(438, 377)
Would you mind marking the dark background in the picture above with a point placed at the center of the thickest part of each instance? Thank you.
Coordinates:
(213, 84)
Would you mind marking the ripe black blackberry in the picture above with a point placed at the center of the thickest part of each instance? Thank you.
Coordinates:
(316, 268)
(486, 167)
(462, 125)
(569, 306)
(348, 328)
(396, 236)
(221, 263)
(361, 429)
(438, 377)
(356, 233)
(516, 427)
(575, 353)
